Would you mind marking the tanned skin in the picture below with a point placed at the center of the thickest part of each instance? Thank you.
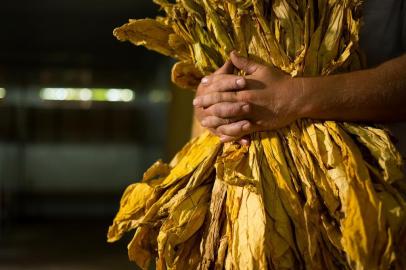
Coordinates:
(232, 106)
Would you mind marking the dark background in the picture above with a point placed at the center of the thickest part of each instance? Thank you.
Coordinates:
(65, 164)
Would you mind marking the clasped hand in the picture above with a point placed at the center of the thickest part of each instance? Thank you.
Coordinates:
(233, 106)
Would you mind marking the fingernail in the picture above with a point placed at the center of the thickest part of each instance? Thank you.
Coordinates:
(205, 80)
(204, 122)
(196, 102)
(240, 82)
(223, 139)
(246, 126)
(245, 142)
(246, 108)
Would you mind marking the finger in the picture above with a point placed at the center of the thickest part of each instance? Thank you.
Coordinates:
(243, 63)
(214, 98)
(227, 68)
(207, 100)
(225, 138)
(214, 121)
(229, 110)
(242, 141)
(245, 141)
(222, 83)
(237, 129)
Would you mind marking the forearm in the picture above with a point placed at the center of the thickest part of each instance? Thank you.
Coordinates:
(377, 94)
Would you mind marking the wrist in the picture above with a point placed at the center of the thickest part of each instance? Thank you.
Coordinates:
(305, 97)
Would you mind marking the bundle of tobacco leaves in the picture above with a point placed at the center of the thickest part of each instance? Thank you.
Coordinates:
(313, 195)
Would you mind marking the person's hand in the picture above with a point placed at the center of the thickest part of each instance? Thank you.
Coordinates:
(232, 106)
(221, 80)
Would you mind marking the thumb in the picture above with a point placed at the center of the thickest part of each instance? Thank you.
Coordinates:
(244, 64)
(227, 68)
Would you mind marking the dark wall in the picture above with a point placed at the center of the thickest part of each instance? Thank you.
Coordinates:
(69, 43)
(40, 40)
(64, 164)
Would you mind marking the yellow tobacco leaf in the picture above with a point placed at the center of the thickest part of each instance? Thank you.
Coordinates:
(184, 220)
(312, 195)
(132, 209)
(150, 33)
(186, 75)
(140, 249)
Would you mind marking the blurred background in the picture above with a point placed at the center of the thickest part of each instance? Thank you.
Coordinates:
(82, 116)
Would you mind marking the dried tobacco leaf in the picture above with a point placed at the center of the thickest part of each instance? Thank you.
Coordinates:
(186, 75)
(313, 195)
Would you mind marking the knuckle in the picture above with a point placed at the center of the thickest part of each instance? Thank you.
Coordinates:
(223, 85)
(225, 130)
(225, 111)
(210, 88)
(233, 110)
(215, 97)
(239, 129)
(245, 96)
(246, 127)
(217, 110)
